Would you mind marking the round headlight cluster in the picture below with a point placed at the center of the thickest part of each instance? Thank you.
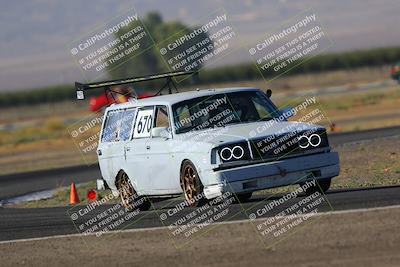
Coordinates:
(227, 153)
(313, 140)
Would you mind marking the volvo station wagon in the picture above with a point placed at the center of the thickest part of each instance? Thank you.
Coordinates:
(204, 143)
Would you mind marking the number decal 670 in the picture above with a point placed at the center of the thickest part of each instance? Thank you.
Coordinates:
(143, 123)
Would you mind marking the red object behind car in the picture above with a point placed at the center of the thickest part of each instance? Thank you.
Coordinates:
(97, 103)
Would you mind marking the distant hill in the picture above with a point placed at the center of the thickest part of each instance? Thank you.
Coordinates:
(34, 34)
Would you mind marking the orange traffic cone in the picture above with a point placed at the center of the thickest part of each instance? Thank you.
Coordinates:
(73, 195)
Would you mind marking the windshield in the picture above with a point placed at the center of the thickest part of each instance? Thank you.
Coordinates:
(222, 109)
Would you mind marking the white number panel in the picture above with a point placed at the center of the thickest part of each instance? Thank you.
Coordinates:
(143, 123)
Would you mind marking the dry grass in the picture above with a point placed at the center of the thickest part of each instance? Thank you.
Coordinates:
(364, 110)
(38, 113)
(369, 163)
(349, 77)
(353, 111)
(61, 197)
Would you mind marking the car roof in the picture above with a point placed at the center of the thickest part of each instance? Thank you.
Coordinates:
(178, 97)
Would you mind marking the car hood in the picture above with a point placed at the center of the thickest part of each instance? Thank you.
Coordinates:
(245, 131)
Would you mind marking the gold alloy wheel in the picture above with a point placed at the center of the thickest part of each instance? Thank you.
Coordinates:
(189, 183)
(126, 191)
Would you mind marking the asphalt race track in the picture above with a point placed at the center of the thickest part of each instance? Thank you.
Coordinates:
(23, 183)
(32, 223)
(18, 223)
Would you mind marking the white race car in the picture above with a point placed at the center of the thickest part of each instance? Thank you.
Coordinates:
(206, 142)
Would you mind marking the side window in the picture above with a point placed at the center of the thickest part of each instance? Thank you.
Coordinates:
(143, 122)
(110, 130)
(182, 117)
(118, 125)
(263, 107)
(161, 117)
(126, 124)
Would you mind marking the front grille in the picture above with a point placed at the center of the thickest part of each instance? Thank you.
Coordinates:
(282, 145)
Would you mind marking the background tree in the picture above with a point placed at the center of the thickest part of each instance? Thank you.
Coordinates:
(150, 60)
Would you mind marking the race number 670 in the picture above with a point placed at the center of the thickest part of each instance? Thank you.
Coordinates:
(144, 124)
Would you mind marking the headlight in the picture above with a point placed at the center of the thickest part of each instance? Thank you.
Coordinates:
(310, 140)
(227, 153)
(282, 145)
(234, 152)
(314, 140)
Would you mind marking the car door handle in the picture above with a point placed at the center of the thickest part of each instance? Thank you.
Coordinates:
(147, 147)
(128, 148)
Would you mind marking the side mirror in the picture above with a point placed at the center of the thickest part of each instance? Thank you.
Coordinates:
(268, 93)
(161, 132)
(288, 112)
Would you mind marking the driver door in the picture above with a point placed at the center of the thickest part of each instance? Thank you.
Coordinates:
(160, 155)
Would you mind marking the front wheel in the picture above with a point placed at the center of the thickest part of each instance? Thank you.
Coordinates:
(321, 186)
(191, 185)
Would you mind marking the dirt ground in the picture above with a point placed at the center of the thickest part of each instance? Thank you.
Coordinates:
(359, 169)
(365, 238)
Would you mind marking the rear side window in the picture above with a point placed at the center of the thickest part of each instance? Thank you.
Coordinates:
(126, 124)
(118, 125)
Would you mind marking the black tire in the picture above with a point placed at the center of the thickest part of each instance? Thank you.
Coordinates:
(192, 187)
(321, 186)
(129, 198)
(244, 197)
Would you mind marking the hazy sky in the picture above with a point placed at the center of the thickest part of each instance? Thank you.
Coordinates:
(35, 33)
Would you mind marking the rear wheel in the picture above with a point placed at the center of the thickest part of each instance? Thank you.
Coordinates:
(129, 197)
(321, 186)
(191, 185)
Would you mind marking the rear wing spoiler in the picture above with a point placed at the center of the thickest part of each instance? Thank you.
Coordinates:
(82, 87)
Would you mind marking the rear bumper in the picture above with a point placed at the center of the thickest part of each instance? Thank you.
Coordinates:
(284, 172)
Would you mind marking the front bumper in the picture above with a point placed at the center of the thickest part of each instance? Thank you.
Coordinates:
(283, 172)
